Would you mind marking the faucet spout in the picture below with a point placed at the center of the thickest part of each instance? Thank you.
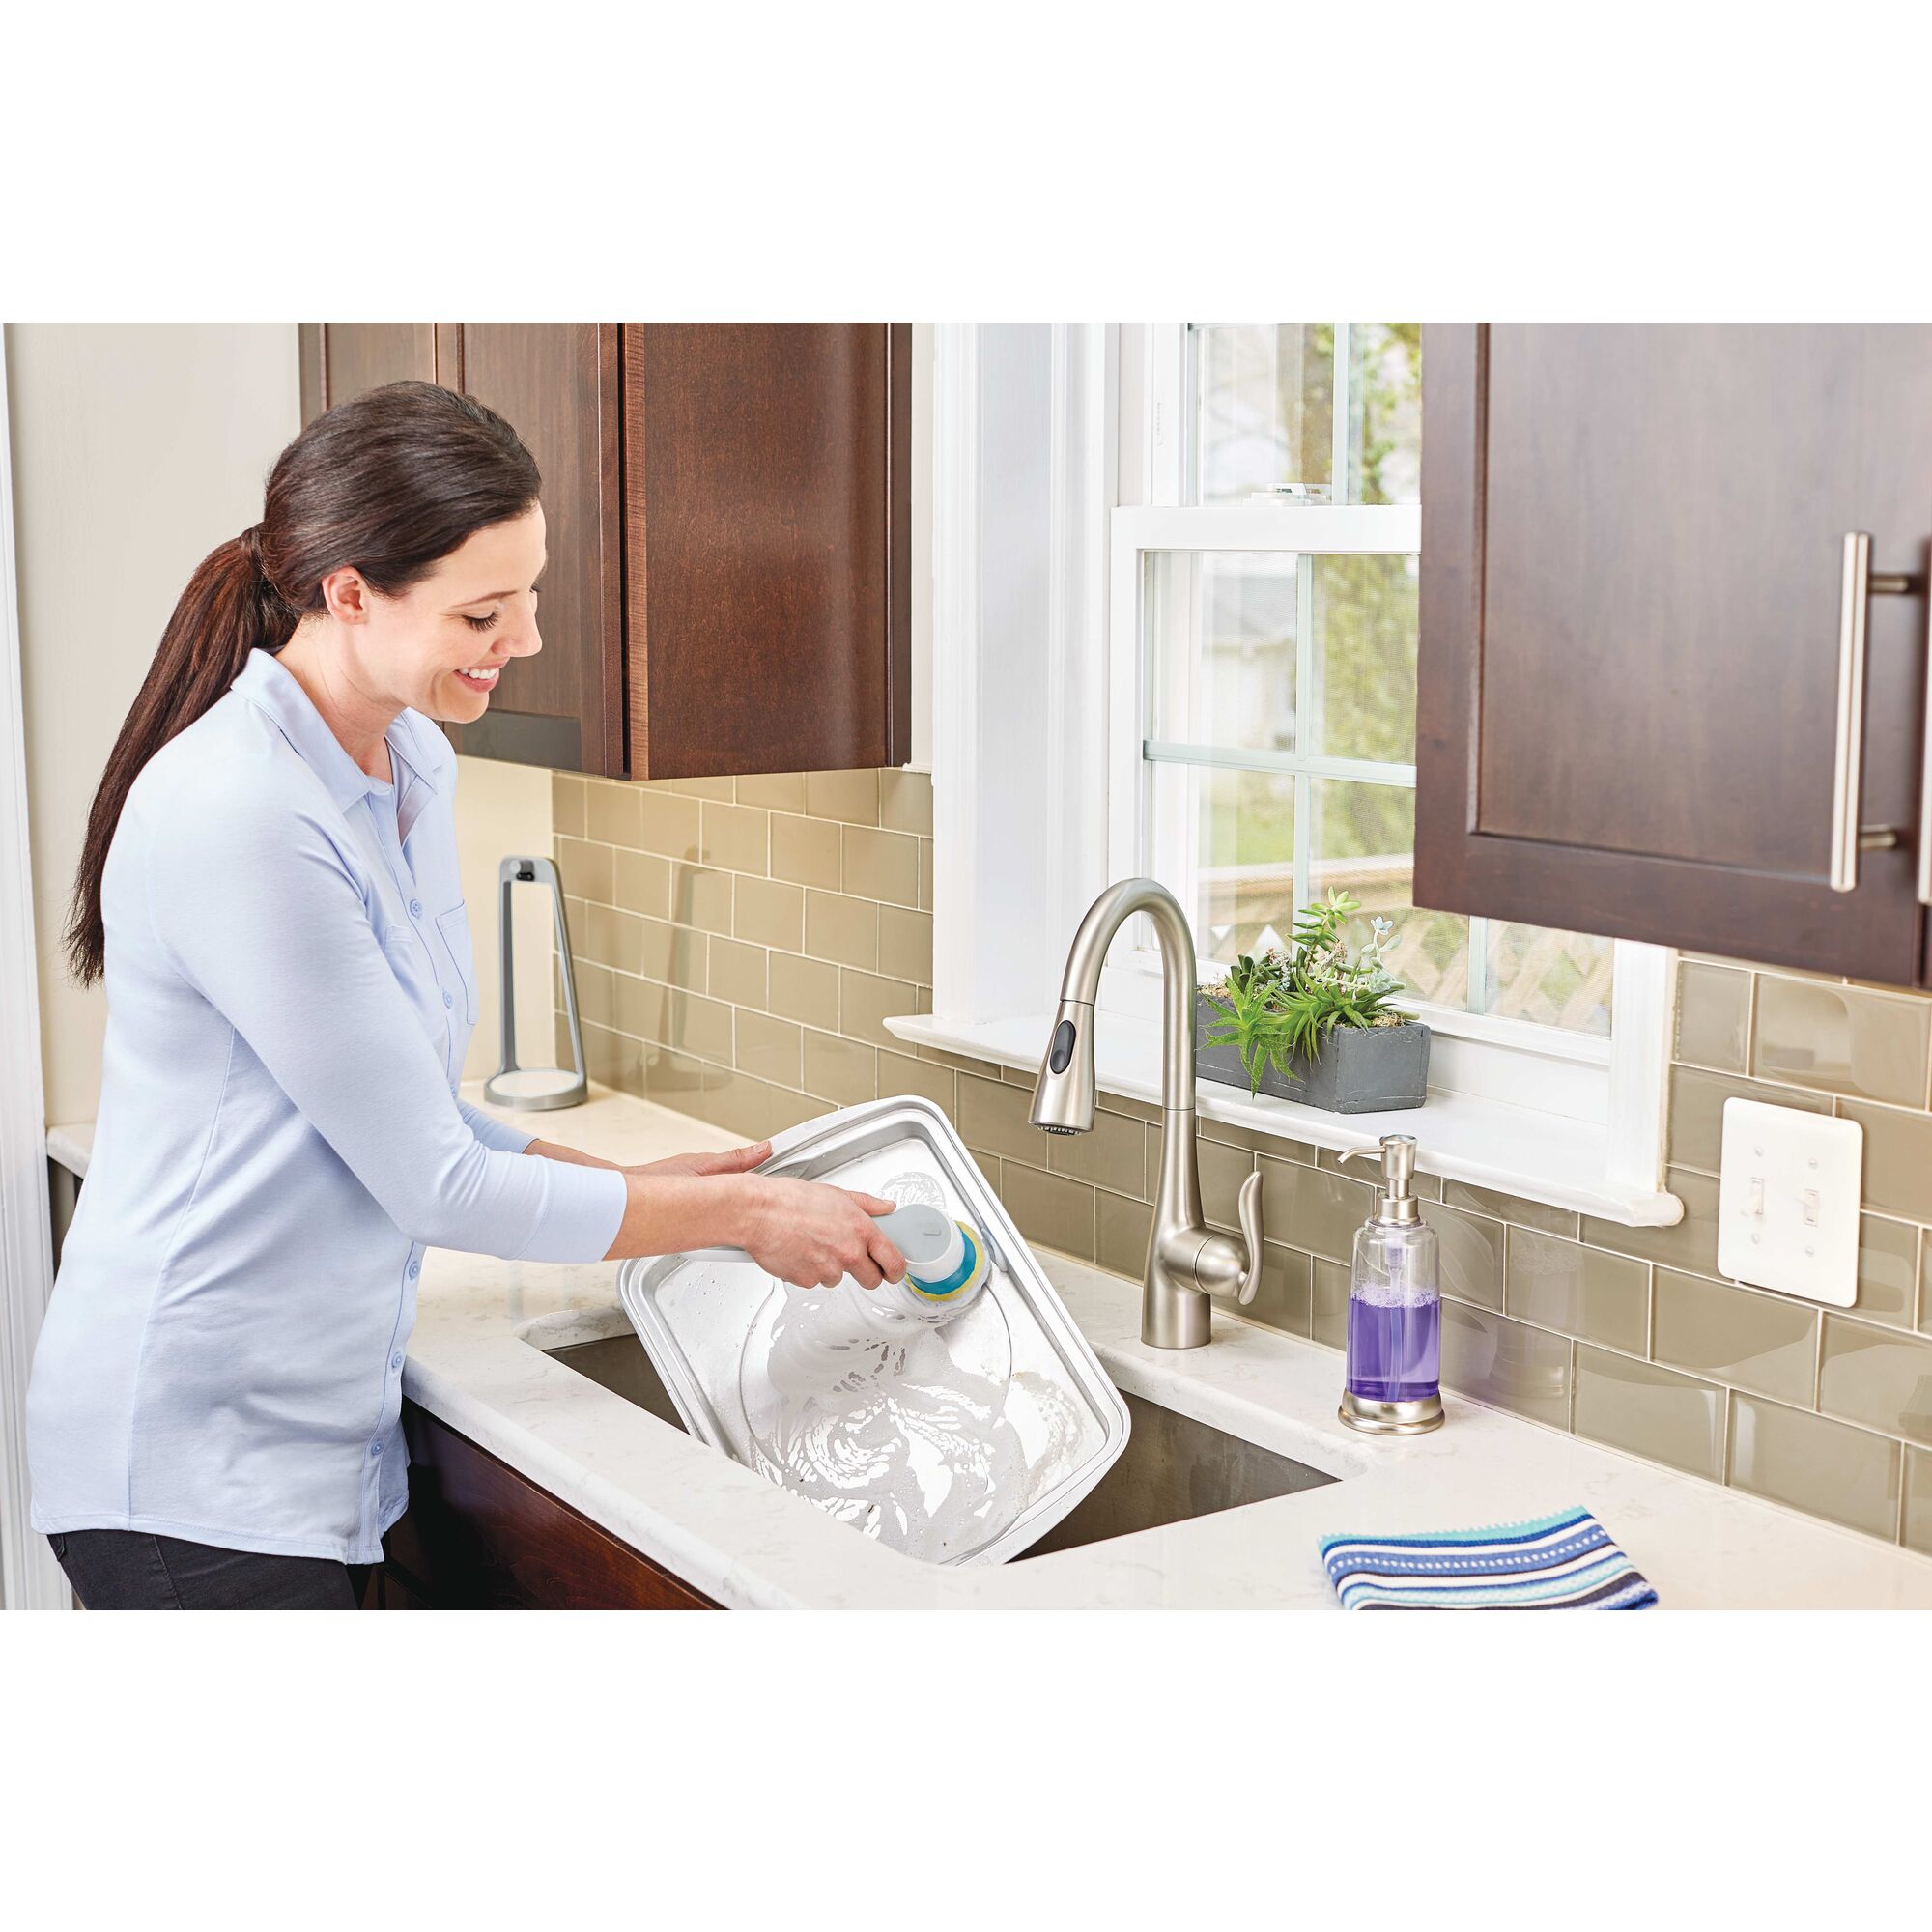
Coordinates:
(1186, 1260)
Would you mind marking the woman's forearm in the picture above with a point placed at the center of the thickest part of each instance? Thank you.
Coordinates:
(668, 1212)
(575, 1157)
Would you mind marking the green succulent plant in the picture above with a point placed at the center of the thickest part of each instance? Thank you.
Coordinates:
(1280, 1006)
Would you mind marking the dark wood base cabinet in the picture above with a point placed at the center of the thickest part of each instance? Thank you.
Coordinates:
(478, 1536)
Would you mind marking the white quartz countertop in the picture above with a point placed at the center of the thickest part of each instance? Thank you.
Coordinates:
(477, 1361)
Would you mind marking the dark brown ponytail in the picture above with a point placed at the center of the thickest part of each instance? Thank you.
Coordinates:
(390, 481)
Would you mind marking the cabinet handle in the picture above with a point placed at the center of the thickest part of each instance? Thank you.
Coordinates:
(1858, 584)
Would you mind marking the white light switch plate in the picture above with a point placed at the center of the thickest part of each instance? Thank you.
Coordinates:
(1788, 1201)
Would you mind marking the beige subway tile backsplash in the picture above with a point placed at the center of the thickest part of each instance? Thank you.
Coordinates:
(1812, 1464)
(840, 1070)
(1112, 1156)
(768, 912)
(841, 929)
(640, 882)
(740, 944)
(1887, 1270)
(806, 851)
(773, 791)
(803, 989)
(1650, 1412)
(1713, 1016)
(611, 814)
(1472, 1255)
(1505, 1363)
(905, 801)
(881, 866)
(735, 838)
(905, 944)
(1698, 1111)
(1577, 1290)
(1873, 1376)
(1284, 1299)
(1048, 1208)
(669, 824)
(1898, 1160)
(736, 971)
(1740, 1336)
(1842, 1039)
(849, 796)
(1915, 1530)
(866, 1002)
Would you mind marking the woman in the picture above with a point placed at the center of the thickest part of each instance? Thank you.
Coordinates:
(270, 887)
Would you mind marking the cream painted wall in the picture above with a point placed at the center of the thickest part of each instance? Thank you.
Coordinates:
(136, 451)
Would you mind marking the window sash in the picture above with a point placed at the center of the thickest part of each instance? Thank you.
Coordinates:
(1136, 843)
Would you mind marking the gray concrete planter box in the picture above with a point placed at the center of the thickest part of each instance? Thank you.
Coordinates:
(1359, 1069)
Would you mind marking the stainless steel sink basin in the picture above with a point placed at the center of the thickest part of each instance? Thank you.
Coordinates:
(1172, 1468)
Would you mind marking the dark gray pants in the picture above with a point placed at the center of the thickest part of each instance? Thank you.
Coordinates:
(130, 1570)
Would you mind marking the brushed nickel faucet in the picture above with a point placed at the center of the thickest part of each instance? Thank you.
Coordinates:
(1188, 1261)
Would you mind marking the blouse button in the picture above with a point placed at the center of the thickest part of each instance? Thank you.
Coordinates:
(415, 908)
(415, 1268)
(395, 1361)
(447, 1000)
(374, 1449)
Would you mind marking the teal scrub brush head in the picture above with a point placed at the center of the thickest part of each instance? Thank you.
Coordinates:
(946, 1260)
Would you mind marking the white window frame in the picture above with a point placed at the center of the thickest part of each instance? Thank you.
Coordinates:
(1049, 442)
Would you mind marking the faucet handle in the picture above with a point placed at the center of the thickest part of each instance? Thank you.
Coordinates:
(1249, 1207)
(1226, 1264)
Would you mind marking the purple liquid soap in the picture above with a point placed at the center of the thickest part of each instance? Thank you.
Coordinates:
(1395, 1348)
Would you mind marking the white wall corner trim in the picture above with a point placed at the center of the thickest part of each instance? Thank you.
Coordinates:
(1023, 457)
(29, 1576)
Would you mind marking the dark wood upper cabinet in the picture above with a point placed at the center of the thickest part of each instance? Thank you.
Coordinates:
(728, 523)
(1632, 592)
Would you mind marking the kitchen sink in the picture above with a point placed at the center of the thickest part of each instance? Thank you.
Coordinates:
(1171, 1469)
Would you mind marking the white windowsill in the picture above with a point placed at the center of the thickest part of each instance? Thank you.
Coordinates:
(1515, 1150)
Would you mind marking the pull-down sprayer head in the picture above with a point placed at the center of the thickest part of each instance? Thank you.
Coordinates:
(1062, 1096)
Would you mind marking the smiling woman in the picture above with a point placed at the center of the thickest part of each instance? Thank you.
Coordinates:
(269, 888)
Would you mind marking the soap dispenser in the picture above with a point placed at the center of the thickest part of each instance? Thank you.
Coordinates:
(1395, 1307)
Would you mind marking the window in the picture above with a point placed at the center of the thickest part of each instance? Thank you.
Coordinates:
(1174, 630)
(1269, 610)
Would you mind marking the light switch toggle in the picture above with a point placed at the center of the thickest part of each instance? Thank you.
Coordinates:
(1788, 1201)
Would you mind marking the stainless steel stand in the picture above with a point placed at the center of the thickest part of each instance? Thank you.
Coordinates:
(534, 1089)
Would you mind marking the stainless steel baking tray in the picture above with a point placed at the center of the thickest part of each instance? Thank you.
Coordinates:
(694, 1313)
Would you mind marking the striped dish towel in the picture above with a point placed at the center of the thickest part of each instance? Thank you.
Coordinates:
(1561, 1562)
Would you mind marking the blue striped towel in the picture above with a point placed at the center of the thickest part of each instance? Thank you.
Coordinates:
(1561, 1562)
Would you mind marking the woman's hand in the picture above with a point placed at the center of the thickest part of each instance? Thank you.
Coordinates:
(736, 1160)
(813, 1235)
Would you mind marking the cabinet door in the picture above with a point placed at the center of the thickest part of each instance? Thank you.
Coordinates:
(556, 384)
(340, 359)
(1632, 542)
(767, 547)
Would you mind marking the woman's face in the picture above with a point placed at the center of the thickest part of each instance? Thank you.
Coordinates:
(441, 645)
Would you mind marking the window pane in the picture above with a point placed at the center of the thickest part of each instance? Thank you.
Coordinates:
(1221, 637)
(1265, 402)
(1224, 844)
(1385, 412)
(1364, 625)
(1556, 979)
(1362, 841)
(1264, 407)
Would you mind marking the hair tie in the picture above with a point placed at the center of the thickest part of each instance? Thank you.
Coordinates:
(251, 543)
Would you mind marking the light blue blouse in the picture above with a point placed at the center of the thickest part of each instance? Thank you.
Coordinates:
(290, 997)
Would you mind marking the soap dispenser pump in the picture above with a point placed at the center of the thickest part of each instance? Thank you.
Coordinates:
(1394, 1384)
